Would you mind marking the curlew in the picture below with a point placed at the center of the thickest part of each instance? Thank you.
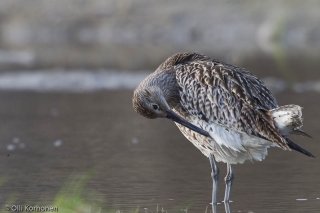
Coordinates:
(225, 111)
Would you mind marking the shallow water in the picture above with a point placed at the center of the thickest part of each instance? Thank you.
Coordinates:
(46, 137)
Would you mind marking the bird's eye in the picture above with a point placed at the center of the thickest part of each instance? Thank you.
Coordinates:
(155, 106)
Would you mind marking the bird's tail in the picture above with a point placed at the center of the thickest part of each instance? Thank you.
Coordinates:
(288, 119)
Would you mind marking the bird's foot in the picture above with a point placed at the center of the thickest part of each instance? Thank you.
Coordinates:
(226, 200)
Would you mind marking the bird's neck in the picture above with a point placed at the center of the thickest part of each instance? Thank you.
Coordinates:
(167, 83)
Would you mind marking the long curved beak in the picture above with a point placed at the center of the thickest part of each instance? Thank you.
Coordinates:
(176, 118)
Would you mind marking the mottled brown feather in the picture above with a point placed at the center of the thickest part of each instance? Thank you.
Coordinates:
(224, 94)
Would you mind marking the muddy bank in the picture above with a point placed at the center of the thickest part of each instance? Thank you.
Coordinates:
(139, 34)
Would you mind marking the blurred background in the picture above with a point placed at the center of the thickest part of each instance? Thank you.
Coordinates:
(69, 136)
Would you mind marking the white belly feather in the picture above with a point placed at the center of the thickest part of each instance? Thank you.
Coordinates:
(226, 145)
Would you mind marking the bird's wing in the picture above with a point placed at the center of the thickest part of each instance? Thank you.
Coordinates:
(228, 96)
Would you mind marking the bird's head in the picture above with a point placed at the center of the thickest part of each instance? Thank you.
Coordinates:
(150, 102)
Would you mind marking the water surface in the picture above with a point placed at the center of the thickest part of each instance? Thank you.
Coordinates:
(141, 162)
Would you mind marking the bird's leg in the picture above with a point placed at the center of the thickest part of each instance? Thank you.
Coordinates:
(228, 179)
(215, 178)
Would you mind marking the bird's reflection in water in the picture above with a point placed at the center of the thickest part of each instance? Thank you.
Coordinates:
(226, 207)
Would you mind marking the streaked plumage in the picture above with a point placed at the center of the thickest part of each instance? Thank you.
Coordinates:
(238, 116)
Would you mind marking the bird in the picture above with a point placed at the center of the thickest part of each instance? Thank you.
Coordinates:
(225, 111)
